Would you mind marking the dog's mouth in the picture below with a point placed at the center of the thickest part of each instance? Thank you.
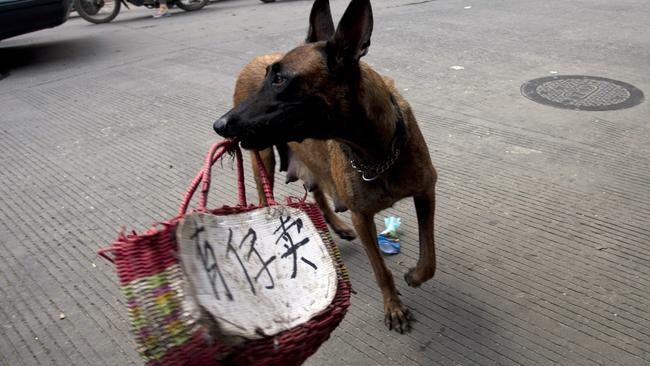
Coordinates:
(258, 139)
(246, 138)
(252, 144)
(259, 126)
(265, 141)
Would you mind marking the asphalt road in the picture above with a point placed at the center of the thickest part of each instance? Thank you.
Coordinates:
(542, 218)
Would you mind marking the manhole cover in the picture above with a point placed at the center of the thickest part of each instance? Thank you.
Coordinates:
(586, 93)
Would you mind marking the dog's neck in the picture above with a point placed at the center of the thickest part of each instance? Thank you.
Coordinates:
(378, 126)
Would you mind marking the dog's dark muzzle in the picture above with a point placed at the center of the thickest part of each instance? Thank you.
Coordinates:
(231, 126)
(221, 126)
(259, 123)
(236, 122)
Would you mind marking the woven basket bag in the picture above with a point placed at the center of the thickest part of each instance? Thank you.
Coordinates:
(154, 285)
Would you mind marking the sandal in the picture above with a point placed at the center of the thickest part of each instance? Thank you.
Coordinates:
(160, 14)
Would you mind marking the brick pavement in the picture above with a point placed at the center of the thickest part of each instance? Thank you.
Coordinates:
(542, 217)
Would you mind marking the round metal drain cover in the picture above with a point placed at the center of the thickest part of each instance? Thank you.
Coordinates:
(586, 93)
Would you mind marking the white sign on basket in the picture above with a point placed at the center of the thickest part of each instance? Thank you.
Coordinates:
(258, 272)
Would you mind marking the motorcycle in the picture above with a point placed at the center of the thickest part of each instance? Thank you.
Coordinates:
(103, 11)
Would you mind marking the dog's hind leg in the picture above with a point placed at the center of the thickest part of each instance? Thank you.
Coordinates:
(426, 267)
(397, 316)
(339, 227)
(268, 160)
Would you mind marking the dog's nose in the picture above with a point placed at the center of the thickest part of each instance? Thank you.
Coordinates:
(220, 125)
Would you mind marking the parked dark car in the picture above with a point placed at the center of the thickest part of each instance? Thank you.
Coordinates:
(23, 16)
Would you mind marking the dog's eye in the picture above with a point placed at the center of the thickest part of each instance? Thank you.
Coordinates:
(278, 80)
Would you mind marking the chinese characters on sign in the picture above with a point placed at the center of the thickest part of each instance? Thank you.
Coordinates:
(255, 271)
(271, 262)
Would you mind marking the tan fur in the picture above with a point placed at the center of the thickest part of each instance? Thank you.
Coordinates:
(412, 175)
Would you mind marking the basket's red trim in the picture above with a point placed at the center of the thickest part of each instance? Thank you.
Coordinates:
(104, 252)
(266, 184)
(204, 177)
(151, 253)
(154, 251)
(143, 252)
(144, 256)
(193, 352)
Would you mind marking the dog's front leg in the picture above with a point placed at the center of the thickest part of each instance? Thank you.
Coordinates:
(396, 314)
(339, 227)
(425, 205)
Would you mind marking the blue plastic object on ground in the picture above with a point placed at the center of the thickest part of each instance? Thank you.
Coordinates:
(387, 239)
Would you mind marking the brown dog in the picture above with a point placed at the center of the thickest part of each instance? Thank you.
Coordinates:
(350, 135)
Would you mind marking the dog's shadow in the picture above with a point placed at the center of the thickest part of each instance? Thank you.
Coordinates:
(447, 314)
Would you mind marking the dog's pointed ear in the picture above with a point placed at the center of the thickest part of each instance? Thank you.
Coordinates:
(321, 25)
(352, 37)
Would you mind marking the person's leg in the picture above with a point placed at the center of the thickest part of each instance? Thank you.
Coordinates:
(163, 10)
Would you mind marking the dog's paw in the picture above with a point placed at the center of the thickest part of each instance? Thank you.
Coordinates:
(415, 278)
(340, 228)
(346, 233)
(398, 317)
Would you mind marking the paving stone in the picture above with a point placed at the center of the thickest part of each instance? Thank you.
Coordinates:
(542, 213)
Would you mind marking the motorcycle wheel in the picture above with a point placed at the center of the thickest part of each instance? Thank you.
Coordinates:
(97, 11)
(191, 5)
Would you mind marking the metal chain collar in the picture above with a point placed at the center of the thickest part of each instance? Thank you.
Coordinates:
(375, 169)
(370, 172)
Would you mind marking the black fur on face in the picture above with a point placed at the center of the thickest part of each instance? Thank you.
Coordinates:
(291, 105)
(306, 93)
(266, 120)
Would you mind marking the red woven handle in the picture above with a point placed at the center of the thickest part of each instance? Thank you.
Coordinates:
(203, 177)
(212, 158)
(266, 184)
